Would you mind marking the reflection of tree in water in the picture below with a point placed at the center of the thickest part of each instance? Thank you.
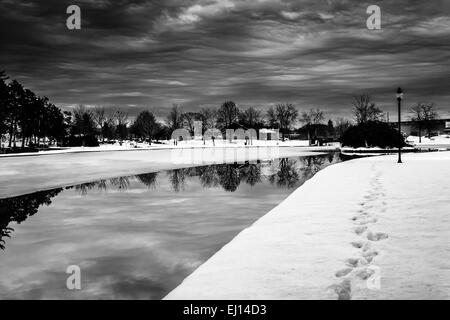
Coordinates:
(251, 174)
(148, 179)
(178, 179)
(286, 172)
(121, 183)
(287, 175)
(312, 165)
(85, 187)
(102, 185)
(18, 209)
(229, 177)
(209, 177)
(331, 157)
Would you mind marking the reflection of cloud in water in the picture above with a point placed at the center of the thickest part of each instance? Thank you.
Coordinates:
(126, 278)
(172, 201)
(18, 209)
(105, 277)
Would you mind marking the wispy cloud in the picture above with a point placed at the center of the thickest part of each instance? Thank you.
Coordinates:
(200, 52)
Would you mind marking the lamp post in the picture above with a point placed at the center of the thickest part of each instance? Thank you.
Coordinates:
(399, 100)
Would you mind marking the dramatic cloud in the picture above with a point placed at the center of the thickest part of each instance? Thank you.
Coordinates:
(151, 54)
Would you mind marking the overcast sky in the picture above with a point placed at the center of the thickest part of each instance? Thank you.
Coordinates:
(151, 54)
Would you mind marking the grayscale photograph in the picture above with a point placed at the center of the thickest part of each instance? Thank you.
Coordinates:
(224, 150)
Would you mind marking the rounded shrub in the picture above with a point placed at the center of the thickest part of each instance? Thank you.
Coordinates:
(372, 134)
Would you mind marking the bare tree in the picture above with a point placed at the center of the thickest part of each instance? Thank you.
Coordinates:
(174, 118)
(81, 109)
(312, 119)
(99, 116)
(121, 120)
(189, 119)
(109, 125)
(283, 116)
(422, 115)
(251, 118)
(208, 117)
(341, 125)
(364, 110)
(271, 118)
(227, 115)
(120, 117)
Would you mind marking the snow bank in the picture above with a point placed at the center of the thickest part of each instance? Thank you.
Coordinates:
(364, 229)
(438, 140)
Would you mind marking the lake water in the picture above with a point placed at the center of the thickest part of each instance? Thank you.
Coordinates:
(137, 237)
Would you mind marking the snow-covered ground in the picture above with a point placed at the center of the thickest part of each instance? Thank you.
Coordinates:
(442, 140)
(364, 229)
(130, 146)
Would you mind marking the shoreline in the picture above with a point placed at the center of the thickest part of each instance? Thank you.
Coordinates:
(384, 236)
(28, 174)
(165, 147)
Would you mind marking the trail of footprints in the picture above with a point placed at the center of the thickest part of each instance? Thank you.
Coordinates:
(358, 266)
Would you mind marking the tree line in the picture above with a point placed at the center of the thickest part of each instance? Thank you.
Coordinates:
(30, 119)
(27, 116)
(229, 116)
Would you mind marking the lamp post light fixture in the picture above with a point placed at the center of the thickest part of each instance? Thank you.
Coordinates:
(399, 100)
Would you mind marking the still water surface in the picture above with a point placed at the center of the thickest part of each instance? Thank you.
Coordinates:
(137, 237)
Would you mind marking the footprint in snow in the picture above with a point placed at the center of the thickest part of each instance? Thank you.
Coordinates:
(352, 262)
(366, 221)
(358, 244)
(360, 230)
(344, 290)
(362, 215)
(365, 274)
(369, 255)
(366, 246)
(343, 272)
(376, 236)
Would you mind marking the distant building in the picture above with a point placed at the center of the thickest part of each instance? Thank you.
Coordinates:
(439, 126)
(269, 134)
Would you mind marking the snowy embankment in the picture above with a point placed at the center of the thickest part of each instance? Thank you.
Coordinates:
(363, 229)
(437, 142)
